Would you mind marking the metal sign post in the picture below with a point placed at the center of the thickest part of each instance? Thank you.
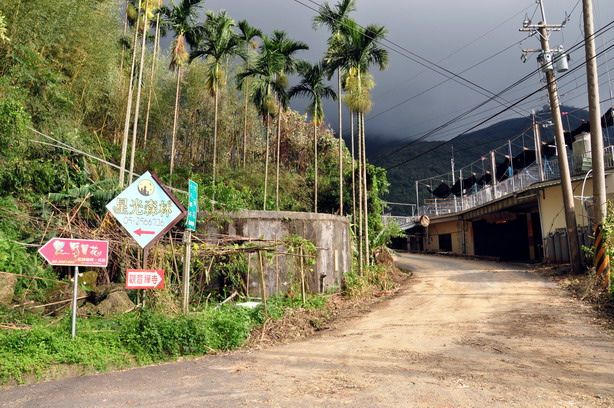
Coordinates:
(73, 330)
(147, 210)
(190, 226)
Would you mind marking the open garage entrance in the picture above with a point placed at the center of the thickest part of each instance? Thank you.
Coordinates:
(508, 235)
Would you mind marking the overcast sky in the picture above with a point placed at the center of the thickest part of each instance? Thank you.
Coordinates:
(456, 35)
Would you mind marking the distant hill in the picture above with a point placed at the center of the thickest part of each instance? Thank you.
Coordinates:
(467, 149)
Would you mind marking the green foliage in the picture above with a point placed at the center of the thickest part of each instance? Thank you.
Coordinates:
(60, 56)
(154, 337)
(91, 198)
(141, 337)
(385, 235)
(280, 305)
(13, 125)
(27, 353)
(374, 278)
(15, 257)
(608, 237)
(102, 344)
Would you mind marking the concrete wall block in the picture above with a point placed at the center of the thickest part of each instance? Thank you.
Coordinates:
(328, 232)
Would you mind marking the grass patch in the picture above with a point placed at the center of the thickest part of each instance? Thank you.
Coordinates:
(136, 338)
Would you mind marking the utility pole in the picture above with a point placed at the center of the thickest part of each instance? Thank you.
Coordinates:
(602, 261)
(546, 56)
(453, 178)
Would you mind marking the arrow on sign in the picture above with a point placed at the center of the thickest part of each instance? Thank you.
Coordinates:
(75, 252)
(144, 279)
(140, 232)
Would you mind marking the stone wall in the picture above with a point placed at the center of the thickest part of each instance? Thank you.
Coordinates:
(329, 233)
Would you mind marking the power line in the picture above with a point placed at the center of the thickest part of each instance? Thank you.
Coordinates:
(459, 50)
(493, 116)
(463, 125)
(418, 59)
(526, 77)
(440, 83)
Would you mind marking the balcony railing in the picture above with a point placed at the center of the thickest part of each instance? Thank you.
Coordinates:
(578, 164)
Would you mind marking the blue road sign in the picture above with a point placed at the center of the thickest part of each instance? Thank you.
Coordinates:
(192, 205)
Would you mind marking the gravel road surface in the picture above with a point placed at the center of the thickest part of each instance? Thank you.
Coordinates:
(462, 333)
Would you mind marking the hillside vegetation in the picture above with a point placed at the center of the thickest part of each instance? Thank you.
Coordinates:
(78, 91)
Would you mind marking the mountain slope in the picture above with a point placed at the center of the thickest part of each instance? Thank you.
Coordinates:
(416, 162)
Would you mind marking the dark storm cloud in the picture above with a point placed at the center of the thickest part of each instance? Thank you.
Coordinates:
(454, 34)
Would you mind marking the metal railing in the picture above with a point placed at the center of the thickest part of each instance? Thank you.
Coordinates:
(405, 222)
(578, 164)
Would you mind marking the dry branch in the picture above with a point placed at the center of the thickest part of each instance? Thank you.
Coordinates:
(13, 327)
(32, 277)
(56, 303)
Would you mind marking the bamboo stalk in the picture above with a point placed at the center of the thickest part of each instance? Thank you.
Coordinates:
(55, 303)
(262, 284)
(302, 278)
(249, 261)
(228, 299)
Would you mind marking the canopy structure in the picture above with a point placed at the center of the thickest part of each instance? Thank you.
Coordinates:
(516, 158)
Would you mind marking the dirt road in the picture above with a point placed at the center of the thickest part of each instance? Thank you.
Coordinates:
(462, 334)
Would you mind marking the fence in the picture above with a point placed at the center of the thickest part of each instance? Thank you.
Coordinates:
(578, 164)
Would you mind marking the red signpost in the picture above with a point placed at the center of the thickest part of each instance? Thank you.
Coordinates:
(144, 279)
(75, 252)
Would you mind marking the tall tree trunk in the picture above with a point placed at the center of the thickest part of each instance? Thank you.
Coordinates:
(365, 190)
(121, 61)
(151, 78)
(138, 94)
(175, 120)
(315, 160)
(278, 158)
(266, 161)
(245, 127)
(340, 143)
(353, 171)
(360, 201)
(215, 115)
(122, 164)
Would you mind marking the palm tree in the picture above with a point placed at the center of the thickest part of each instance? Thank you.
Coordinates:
(154, 5)
(358, 48)
(247, 35)
(181, 19)
(133, 17)
(285, 47)
(333, 19)
(263, 90)
(312, 86)
(217, 42)
(147, 14)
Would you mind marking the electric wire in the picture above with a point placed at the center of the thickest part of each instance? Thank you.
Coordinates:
(61, 145)
(418, 59)
(526, 77)
(491, 117)
(481, 36)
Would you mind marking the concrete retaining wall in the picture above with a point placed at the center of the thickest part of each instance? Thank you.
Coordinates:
(329, 233)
